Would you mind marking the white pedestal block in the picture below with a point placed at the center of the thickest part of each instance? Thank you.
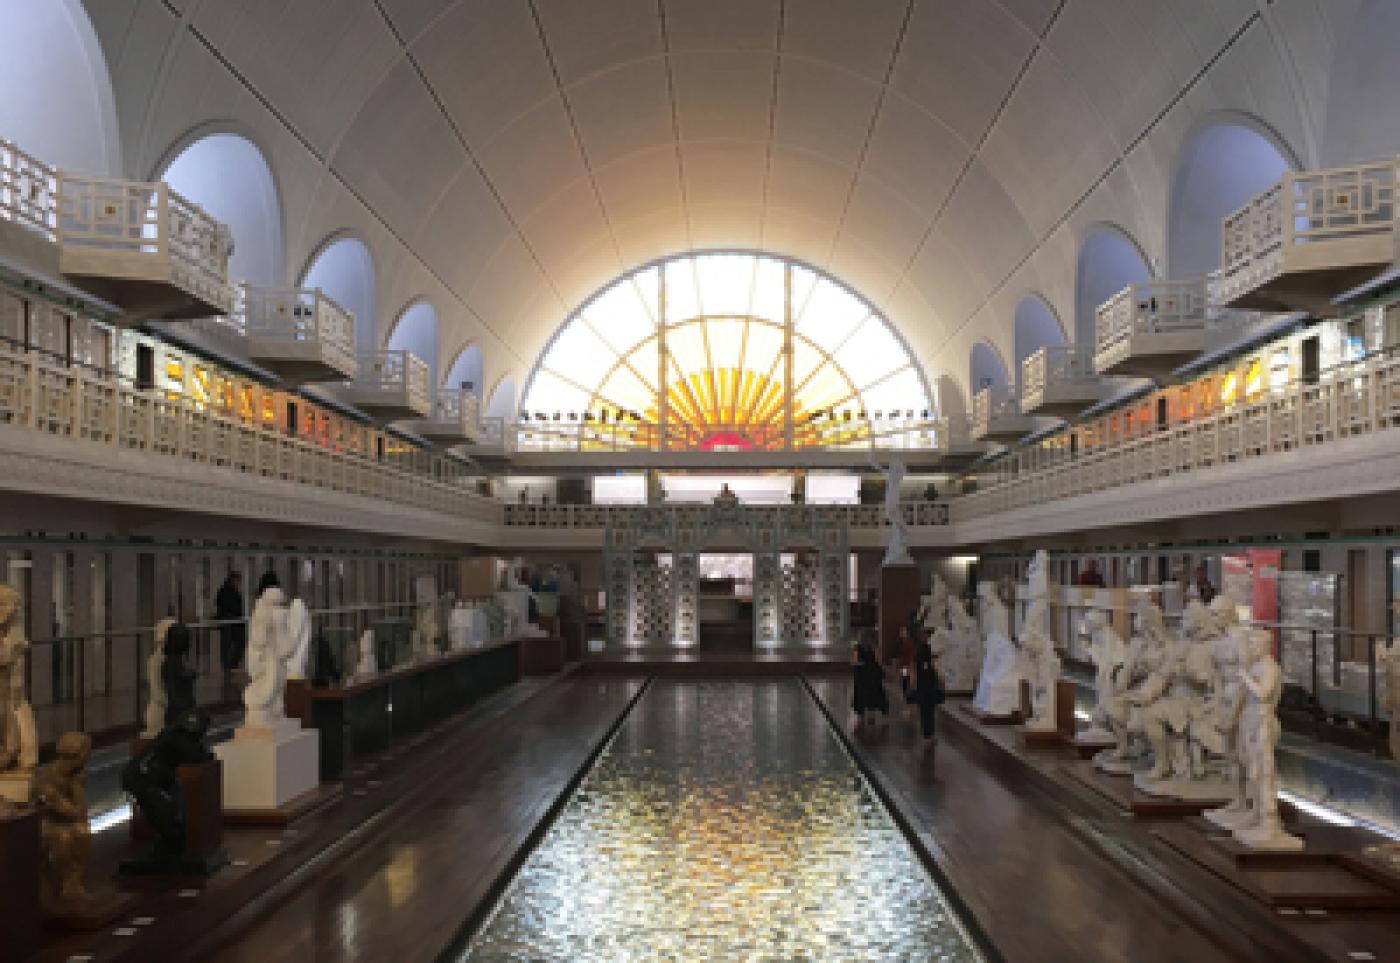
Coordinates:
(267, 768)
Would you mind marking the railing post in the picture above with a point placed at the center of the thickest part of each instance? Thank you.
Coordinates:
(1371, 689)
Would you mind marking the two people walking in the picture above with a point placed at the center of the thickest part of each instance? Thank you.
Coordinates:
(921, 679)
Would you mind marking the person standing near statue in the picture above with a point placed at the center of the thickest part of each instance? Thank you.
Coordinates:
(233, 632)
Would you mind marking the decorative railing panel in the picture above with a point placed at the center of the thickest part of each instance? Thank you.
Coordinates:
(1152, 307)
(298, 315)
(28, 190)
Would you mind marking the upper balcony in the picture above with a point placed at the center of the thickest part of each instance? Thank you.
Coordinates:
(302, 336)
(996, 416)
(1150, 329)
(390, 386)
(141, 246)
(455, 420)
(1310, 237)
(1060, 381)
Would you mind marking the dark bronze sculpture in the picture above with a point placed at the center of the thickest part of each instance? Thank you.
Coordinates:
(177, 677)
(152, 778)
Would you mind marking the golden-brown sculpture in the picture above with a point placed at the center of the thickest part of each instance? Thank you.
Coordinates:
(60, 797)
(19, 748)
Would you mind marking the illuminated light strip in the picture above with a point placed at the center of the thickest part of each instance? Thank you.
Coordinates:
(1083, 716)
(112, 817)
(1335, 816)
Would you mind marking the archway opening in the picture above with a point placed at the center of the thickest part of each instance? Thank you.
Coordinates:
(416, 331)
(1222, 167)
(344, 270)
(466, 371)
(1036, 328)
(502, 403)
(985, 369)
(228, 176)
(1108, 262)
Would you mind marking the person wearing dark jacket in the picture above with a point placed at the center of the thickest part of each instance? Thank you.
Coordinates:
(928, 689)
(233, 634)
(869, 696)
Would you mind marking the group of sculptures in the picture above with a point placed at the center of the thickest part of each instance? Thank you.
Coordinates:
(955, 637)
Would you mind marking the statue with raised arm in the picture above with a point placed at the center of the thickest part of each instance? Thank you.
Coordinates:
(897, 539)
(19, 744)
(269, 647)
(1259, 733)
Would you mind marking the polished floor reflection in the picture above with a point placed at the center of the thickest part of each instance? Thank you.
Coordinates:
(724, 822)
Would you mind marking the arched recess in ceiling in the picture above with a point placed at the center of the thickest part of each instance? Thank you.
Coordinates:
(1036, 328)
(1109, 261)
(1223, 164)
(701, 337)
(344, 269)
(466, 371)
(58, 102)
(502, 403)
(985, 368)
(228, 176)
(416, 331)
(1363, 111)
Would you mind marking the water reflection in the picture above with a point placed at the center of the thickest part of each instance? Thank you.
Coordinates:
(725, 822)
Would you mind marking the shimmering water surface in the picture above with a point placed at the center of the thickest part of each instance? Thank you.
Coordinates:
(724, 822)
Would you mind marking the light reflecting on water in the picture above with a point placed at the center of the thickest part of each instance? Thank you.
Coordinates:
(725, 822)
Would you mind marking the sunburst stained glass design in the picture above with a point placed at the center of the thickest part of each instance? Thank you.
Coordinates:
(723, 352)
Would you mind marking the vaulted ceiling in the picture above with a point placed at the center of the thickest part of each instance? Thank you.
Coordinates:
(509, 157)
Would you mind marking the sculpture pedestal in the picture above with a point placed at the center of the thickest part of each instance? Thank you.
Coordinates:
(269, 770)
(19, 885)
(899, 597)
(296, 701)
(202, 786)
(16, 786)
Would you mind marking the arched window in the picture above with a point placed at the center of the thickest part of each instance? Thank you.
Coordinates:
(502, 403)
(1036, 328)
(345, 271)
(1222, 167)
(1108, 263)
(58, 102)
(228, 176)
(416, 331)
(985, 369)
(694, 352)
(466, 370)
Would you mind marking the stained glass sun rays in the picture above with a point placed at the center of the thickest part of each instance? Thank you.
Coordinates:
(720, 351)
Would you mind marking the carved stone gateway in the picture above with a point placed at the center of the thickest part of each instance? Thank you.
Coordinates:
(795, 604)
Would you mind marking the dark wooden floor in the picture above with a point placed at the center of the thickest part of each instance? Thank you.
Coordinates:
(404, 894)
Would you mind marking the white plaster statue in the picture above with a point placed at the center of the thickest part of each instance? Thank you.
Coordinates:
(155, 681)
(425, 632)
(19, 743)
(1038, 646)
(1179, 723)
(999, 685)
(1258, 736)
(959, 646)
(935, 605)
(1130, 691)
(269, 647)
(459, 626)
(299, 631)
(368, 663)
(1108, 652)
(897, 540)
(1231, 657)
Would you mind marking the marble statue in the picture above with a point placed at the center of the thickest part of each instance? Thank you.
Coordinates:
(459, 626)
(1130, 691)
(1259, 733)
(1108, 652)
(19, 745)
(1179, 723)
(155, 680)
(959, 646)
(1038, 647)
(897, 541)
(999, 684)
(1231, 656)
(935, 606)
(269, 647)
(61, 798)
(299, 634)
(152, 780)
(176, 677)
(425, 631)
(368, 663)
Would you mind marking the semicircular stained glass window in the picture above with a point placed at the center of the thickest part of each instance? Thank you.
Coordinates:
(697, 344)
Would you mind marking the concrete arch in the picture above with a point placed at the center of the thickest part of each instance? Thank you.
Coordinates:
(985, 367)
(416, 329)
(1036, 326)
(1226, 159)
(59, 104)
(468, 367)
(343, 267)
(227, 174)
(1109, 260)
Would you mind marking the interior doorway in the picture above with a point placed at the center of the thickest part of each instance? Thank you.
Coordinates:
(726, 601)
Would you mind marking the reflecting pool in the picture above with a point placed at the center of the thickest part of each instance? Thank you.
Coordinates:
(724, 822)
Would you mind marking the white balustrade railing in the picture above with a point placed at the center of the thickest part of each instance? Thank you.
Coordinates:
(992, 404)
(1057, 365)
(28, 191)
(1353, 400)
(1151, 307)
(298, 315)
(920, 514)
(457, 406)
(130, 221)
(72, 402)
(1303, 210)
(394, 372)
(912, 430)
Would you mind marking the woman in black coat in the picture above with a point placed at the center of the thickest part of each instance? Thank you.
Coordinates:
(869, 696)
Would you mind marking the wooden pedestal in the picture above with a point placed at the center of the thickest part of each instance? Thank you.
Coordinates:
(19, 885)
(541, 656)
(203, 787)
(296, 701)
(899, 598)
